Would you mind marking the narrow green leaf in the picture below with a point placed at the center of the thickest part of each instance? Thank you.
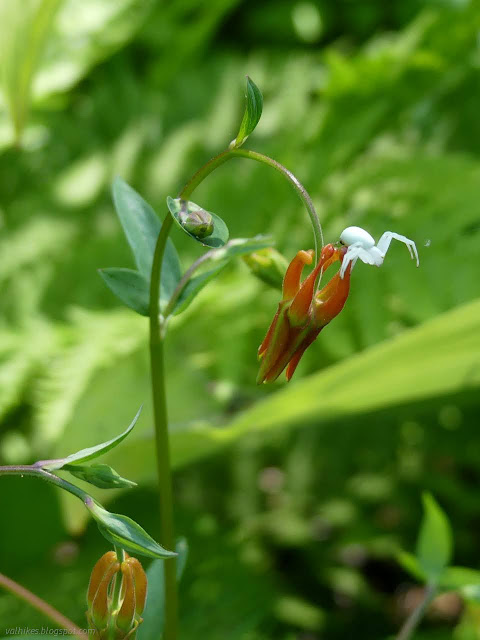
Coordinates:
(89, 453)
(142, 226)
(459, 578)
(252, 114)
(181, 209)
(434, 545)
(126, 533)
(131, 287)
(410, 564)
(194, 286)
(220, 257)
(242, 246)
(154, 613)
(100, 475)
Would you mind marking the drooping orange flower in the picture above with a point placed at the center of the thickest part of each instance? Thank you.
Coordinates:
(302, 313)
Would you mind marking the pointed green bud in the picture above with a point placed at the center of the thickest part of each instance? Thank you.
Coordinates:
(100, 475)
(268, 265)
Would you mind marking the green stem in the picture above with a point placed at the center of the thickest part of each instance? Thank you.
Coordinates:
(157, 334)
(37, 603)
(157, 331)
(412, 622)
(297, 185)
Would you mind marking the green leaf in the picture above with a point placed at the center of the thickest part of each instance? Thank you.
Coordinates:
(434, 545)
(142, 226)
(100, 475)
(242, 246)
(180, 209)
(131, 287)
(252, 114)
(154, 613)
(91, 452)
(459, 578)
(194, 286)
(126, 533)
(410, 564)
(363, 384)
(222, 256)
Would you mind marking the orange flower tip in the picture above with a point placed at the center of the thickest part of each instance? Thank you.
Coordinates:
(291, 281)
(306, 256)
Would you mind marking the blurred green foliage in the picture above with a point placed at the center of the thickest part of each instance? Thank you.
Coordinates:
(292, 532)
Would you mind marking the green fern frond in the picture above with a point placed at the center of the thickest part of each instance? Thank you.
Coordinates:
(39, 239)
(97, 340)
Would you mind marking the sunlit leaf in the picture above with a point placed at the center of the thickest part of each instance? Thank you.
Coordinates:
(252, 114)
(131, 287)
(370, 381)
(434, 545)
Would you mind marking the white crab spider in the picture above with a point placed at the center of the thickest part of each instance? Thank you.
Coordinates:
(361, 245)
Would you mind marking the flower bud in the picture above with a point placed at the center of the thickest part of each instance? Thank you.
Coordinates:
(116, 617)
(268, 265)
(199, 223)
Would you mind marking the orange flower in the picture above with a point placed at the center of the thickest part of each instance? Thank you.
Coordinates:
(302, 313)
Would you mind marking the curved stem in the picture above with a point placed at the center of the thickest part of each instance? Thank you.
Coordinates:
(157, 335)
(297, 185)
(412, 622)
(37, 603)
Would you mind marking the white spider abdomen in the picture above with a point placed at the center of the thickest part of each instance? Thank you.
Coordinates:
(358, 236)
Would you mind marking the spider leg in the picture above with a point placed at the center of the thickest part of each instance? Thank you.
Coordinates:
(351, 256)
(384, 243)
(367, 257)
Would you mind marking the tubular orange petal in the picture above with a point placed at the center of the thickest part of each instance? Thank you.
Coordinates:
(291, 281)
(331, 299)
(278, 341)
(298, 312)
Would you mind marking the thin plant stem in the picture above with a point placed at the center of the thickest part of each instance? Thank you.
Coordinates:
(157, 334)
(37, 603)
(412, 622)
(157, 331)
(297, 185)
